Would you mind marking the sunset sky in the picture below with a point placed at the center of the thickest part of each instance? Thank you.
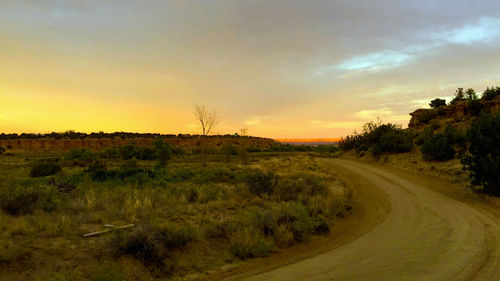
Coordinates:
(283, 69)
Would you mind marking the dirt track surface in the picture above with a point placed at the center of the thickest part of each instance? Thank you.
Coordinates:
(426, 235)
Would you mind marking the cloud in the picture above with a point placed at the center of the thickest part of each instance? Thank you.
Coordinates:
(376, 61)
(256, 121)
(485, 30)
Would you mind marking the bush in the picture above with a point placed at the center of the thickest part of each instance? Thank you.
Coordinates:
(437, 148)
(139, 243)
(394, 141)
(437, 103)
(482, 160)
(150, 244)
(80, 154)
(260, 182)
(474, 107)
(295, 216)
(22, 200)
(427, 116)
(44, 168)
(2, 150)
(172, 236)
(98, 170)
(459, 96)
(379, 138)
(490, 94)
(454, 135)
(145, 153)
(110, 153)
(163, 151)
(300, 186)
(127, 151)
(249, 243)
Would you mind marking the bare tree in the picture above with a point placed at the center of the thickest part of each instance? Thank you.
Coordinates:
(243, 149)
(208, 120)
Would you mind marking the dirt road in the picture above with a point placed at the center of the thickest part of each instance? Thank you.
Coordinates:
(425, 236)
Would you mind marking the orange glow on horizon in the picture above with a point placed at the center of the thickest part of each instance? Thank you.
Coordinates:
(309, 140)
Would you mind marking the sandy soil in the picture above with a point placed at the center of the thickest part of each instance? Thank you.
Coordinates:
(431, 230)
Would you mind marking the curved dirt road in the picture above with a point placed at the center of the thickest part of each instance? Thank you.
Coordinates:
(426, 236)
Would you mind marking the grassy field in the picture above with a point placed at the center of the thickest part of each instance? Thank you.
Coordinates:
(187, 217)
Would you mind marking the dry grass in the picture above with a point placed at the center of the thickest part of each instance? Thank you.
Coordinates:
(189, 218)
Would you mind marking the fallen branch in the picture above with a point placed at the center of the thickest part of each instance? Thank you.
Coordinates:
(111, 228)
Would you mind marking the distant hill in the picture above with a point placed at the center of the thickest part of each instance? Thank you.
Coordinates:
(47, 143)
(310, 141)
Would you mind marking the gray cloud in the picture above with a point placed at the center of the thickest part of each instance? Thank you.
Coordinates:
(311, 60)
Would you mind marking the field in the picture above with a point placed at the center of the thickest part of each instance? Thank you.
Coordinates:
(182, 213)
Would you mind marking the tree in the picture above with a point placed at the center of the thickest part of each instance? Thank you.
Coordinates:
(482, 159)
(470, 94)
(243, 150)
(459, 95)
(208, 119)
(490, 94)
(437, 103)
(207, 122)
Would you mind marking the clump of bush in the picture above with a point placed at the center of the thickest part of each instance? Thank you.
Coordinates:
(2, 150)
(301, 187)
(482, 159)
(437, 148)
(435, 103)
(491, 94)
(21, 200)
(44, 168)
(150, 244)
(379, 138)
(260, 182)
(427, 115)
(249, 243)
(82, 154)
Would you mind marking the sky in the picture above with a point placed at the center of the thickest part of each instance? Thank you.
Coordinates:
(282, 69)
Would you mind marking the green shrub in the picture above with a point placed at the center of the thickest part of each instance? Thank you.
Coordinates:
(98, 170)
(300, 186)
(249, 243)
(260, 182)
(437, 148)
(217, 174)
(459, 96)
(394, 141)
(474, 107)
(44, 168)
(295, 216)
(163, 151)
(21, 200)
(482, 160)
(379, 138)
(490, 94)
(139, 243)
(435, 103)
(454, 135)
(427, 115)
(321, 225)
(111, 153)
(172, 236)
(127, 151)
(145, 153)
(79, 154)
